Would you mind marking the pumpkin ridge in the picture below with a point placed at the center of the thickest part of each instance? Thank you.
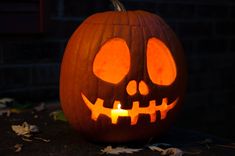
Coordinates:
(66, 83)
(145, 76)
(100, 43)
(76, 75)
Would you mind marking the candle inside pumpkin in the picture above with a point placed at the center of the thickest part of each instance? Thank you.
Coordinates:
(115, 113)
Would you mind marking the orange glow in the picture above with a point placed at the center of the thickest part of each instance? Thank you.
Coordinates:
(119, 106)
(112, 62)
(131, 87)
(160, 63)
(115, 113)
(97, 109)
(143, 88)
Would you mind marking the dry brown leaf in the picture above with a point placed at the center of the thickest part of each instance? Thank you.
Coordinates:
(168, 151)
(5, 111)
(26, 139)
(18, 147)
(25, 129)
(21, 129)
(155, 148)
(118, 150)
(172, 152)
(40, 107)
(45, 140)
(6, 100)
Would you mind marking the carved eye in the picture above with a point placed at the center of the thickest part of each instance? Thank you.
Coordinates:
(160, 63)
(112, 62)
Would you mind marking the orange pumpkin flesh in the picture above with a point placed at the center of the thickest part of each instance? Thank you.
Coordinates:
(122, 77)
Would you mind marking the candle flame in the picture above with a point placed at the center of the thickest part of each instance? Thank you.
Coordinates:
(119, 106)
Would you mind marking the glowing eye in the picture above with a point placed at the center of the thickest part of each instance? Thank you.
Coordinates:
(112, 63)
(160, 63)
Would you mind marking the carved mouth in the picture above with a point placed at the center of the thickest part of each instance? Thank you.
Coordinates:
(97, 109)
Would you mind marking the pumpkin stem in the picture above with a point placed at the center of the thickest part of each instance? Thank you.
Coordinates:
(118, 5)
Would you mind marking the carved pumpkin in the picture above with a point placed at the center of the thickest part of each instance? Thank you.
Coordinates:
(122, 76)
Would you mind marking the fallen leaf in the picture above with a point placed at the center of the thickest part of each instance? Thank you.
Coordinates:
(168, 151)
(45, 140)
(5, 111)
(40, 107)
(58, 115)
(155, 148)
(33, 129)
(206, 142)
(172, 152)
(21, 129)
(18, 147)
(118, 150)
(6, 100)
(25, 129)
(26, 139)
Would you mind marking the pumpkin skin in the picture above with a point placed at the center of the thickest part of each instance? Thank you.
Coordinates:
(79, 81)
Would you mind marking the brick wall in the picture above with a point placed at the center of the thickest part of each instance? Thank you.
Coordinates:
(29, 63)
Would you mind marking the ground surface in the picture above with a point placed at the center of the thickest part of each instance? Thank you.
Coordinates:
(65, 141)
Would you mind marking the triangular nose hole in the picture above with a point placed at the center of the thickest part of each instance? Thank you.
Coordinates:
(143, 88)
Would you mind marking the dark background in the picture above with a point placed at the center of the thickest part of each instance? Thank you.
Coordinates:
(33, 35)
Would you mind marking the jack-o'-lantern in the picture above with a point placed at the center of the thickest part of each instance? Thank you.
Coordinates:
(122, 76)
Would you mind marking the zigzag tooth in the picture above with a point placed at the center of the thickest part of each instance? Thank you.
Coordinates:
(134, 120)
(95, 116)
(153, 117)
(115, 104)
(114, 120)
(165, 101)
(163, 114)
